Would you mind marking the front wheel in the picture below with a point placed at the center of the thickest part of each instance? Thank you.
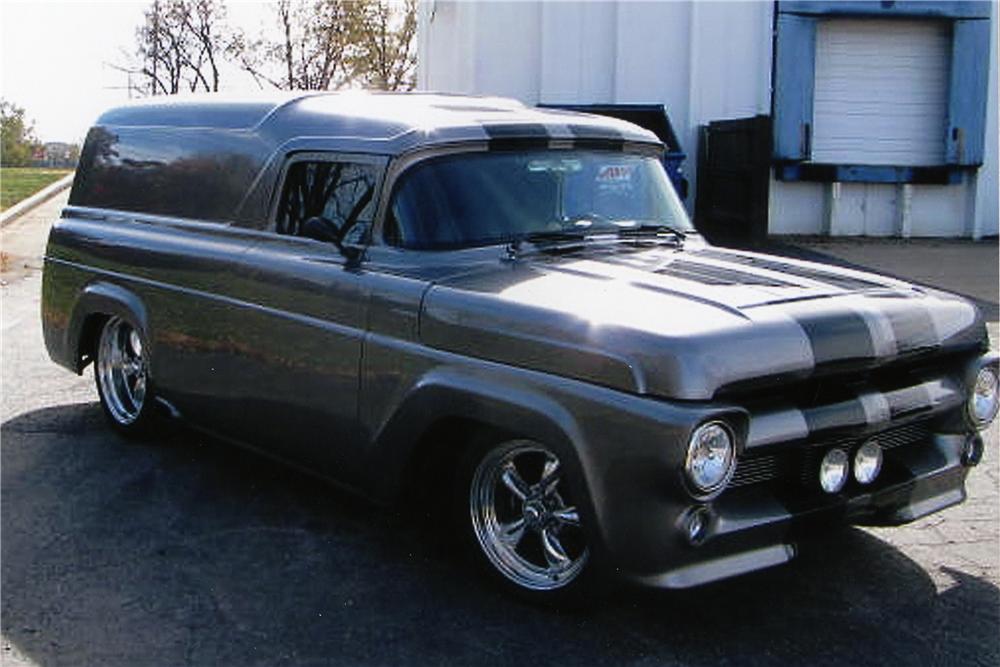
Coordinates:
(524, 521)
(121, 372)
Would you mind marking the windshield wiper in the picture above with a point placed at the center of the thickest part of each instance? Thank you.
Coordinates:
(556, 236)
(653, 229)
(573, 237)
(547, 239)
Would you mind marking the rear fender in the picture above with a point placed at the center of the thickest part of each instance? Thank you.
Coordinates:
(103, 298)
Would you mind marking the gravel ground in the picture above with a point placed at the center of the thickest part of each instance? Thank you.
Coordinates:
(189, 552)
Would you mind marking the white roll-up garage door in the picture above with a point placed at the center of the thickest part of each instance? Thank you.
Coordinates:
(881, 91)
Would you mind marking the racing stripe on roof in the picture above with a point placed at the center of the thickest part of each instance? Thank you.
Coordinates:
(506, 136)
(597, 137)
(530, 135)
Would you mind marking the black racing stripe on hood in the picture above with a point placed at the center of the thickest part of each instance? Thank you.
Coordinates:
(836, 336)
(913, 328)
(828, 277)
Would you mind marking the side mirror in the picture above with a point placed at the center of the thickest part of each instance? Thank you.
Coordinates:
(322, 229)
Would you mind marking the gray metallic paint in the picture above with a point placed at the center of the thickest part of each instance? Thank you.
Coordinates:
(609, 354)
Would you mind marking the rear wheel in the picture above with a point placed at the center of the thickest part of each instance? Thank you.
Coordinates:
(524, 523)
(121, 372)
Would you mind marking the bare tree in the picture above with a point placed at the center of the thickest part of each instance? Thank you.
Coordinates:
(385, 57)
(329, 44)
(204, 21)
(179, 46)
(310, 49)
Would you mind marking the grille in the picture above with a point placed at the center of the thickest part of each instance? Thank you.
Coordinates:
(755, 470)
(903, 435)
(802, 463)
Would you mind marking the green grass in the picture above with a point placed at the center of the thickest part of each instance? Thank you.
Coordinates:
(17, 183)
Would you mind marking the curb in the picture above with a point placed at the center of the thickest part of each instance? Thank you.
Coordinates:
(40, 197)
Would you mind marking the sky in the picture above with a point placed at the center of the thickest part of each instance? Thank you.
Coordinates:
(54, 58)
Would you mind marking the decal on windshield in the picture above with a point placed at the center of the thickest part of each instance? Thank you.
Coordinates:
(615, 173)
(614, 179)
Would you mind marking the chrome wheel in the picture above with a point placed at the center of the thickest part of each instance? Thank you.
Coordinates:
(121, 370)
(522, 518)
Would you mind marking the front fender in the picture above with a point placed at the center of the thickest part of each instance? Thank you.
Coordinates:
(445, 393)
(623, 454)
(511, 407)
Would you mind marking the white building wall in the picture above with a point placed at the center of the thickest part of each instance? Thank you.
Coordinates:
(797, 208)
(578, 46)
(606, 52)
(704, 61)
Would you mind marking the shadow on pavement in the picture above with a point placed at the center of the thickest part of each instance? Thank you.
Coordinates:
(192, 552)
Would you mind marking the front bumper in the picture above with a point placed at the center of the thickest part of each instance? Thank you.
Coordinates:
(755, 528)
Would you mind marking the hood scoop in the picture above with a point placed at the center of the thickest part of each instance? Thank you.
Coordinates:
(830, 276)
(708, 274)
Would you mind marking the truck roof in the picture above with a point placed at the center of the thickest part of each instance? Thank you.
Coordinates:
(395, 121)
(217, 157)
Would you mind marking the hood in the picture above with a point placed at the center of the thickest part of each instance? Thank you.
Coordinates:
(685, 323)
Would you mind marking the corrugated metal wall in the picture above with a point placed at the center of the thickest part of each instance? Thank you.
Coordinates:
(881, 91)
(709, 61)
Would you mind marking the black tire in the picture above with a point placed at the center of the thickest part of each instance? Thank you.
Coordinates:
(121, 373)
(549, 563)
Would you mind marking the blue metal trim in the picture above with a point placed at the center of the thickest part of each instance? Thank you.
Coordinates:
(862, 173)
(967, 92)
(794, 73)
(966, 9)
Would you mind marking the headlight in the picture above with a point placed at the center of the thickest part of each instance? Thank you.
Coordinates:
(983, 399)
(710, 457)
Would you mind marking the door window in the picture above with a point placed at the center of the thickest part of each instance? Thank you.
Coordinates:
(342, 193)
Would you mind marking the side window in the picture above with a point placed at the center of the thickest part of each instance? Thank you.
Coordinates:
(341, 192)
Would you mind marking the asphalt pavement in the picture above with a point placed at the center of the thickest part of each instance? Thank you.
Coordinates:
(189, 552)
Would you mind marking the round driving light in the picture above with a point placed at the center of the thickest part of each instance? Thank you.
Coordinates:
(696, 525)
(984, 398)
(867, 462)
(710, 457)
(972, 451)
(833, 471)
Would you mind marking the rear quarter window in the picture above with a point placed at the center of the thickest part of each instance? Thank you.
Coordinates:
(187, 173)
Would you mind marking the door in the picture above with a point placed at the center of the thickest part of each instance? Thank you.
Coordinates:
(881, 92)
(733, 179)
(297, 343)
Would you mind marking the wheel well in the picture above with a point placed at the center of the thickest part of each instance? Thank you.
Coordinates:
(90, 333)
(434, 462)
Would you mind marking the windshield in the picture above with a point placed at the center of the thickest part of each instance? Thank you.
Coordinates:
(474, 199)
